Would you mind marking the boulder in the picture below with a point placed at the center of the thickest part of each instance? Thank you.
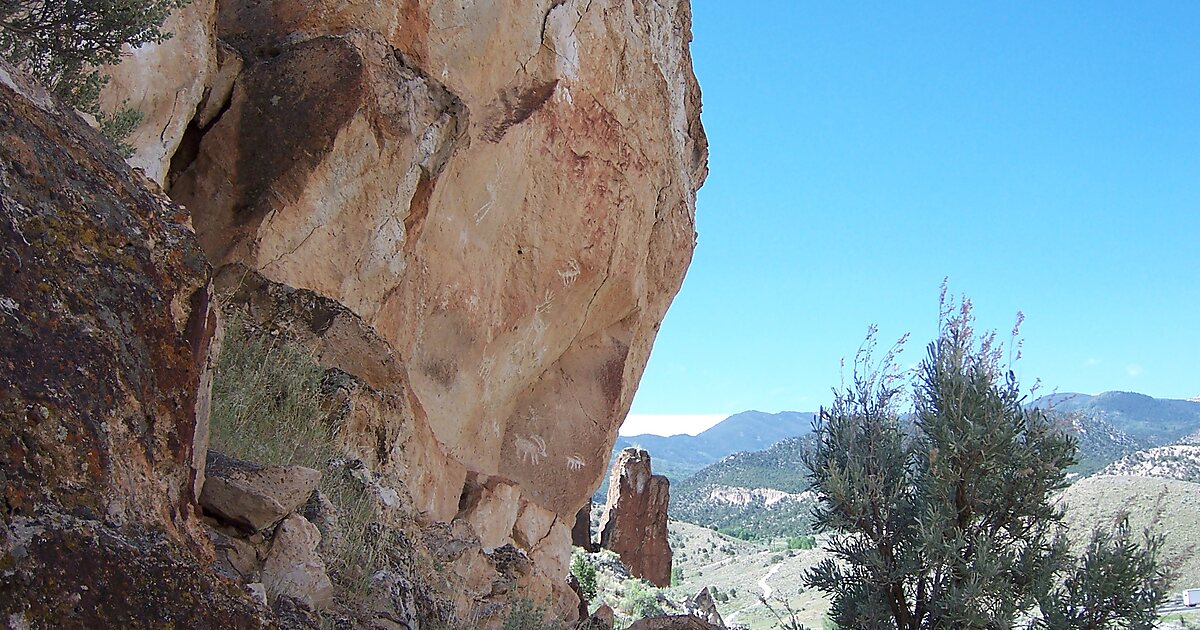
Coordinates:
(673, 622)
(703, 606)
(634, 523)
(254, 496)
(106, 324)
(294, 568)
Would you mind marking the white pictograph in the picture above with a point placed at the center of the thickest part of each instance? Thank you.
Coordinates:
(547, 302)
(575, 462)
(532, 449)
(570, 274)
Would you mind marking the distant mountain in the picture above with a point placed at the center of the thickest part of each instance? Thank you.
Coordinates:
(679, 456)
(763, 492)
(1115, 424)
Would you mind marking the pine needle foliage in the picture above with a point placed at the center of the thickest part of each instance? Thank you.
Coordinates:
(944, 518)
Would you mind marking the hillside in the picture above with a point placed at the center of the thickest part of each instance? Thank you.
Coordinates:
(679, 456)
(1167, 504)
(1174, 461)
(1146, 419)
(764, 492)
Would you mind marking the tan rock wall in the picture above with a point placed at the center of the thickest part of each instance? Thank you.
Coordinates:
(504, 191)
(167, 83)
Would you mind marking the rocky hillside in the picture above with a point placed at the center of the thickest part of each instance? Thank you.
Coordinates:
(1114, 424)
(1175, 461)
(470, 218)
(764, 493)
(1166, 505)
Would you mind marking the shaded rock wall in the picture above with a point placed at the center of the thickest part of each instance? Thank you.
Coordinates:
(105, 333)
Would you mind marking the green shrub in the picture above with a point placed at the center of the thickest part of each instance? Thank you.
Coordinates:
(740, 533)
(802, 542)
(585, 572)
(676, 576)
(948, 519)
(639, 600)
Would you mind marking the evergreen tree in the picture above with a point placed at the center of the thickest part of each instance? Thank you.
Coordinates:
(943, 519)
(1118, 583)
(63, 44)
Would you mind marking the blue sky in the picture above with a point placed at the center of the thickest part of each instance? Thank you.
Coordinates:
(1043, 156)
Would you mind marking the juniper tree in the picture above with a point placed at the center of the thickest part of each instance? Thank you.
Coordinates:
(64, 44)
(1118, 583)
(944, 518)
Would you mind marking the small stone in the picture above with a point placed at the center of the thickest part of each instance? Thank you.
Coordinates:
(293, 568)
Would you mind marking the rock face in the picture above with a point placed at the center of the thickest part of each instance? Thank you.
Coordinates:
(504, 191)
(634, 524)
(167, 83)
(501, 195)
(105, 331)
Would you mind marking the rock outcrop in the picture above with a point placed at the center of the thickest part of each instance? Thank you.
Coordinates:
(486, 209)
(634, 523)
(105, 331)
(703, 606)
(503, 191)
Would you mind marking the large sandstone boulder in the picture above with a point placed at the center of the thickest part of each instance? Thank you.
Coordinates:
(634, 523)
(105, 332)
(504, 191)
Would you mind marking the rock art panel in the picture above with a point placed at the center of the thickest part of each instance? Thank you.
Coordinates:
(504, 191)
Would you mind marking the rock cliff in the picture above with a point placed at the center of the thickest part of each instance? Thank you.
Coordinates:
(503, 191)
(487, 208)
(634, 523)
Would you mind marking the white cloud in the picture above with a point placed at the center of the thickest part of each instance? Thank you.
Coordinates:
(1094, 361)
(669, 424)
(1134, 370)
